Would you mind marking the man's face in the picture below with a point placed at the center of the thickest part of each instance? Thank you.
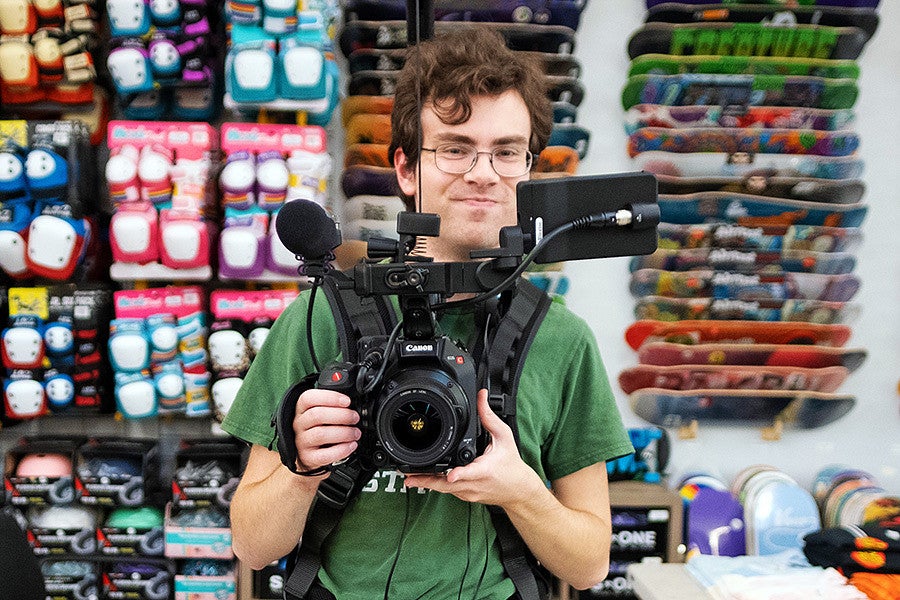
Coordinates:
(473, 206)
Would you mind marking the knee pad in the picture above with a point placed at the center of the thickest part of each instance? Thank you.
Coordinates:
(259, 331)
(18, 67)
(13, 183)
(223, 393)
(130, 69)
(242, 248)
(56, 245)
(165, 60)
(128, 18)
(279, 258)
(303, 75)
(169, 382)
(24, 398)
(165, 12)
(237, 180)
(59, 340)
(60, 391)
(49, 12)
(184, 243)
(135, 396)
(22, 344)
(134, 235)
(47, 173)
(129, 348)
(122, 174)
(279, 17)
(228, 348)
(252, 74)
(163, 333)
(49, 58)
(14, 222)
(271, 179)
(308, 172)
(153, 169)
(17, 17)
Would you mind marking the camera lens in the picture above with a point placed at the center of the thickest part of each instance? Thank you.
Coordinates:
(417, 425)
(419, 416)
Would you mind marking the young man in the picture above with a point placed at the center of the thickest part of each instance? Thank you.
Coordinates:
(484, 114)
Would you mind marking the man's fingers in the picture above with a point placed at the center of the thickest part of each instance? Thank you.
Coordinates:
(325, 415)
(326, 455)
(326, 435)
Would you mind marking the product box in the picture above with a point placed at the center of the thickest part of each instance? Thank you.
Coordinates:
(39, 471)
(132, 532)
(207, 472)
(193, 587)
(54, 530)
(137, 579)
(195, 542)
(71, 579)
(115, 472)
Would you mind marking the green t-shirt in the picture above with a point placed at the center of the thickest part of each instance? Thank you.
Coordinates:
(424, 544)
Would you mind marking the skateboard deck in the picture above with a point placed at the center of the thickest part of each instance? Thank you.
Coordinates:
(358, 104)
(671, 64)
(361, 180)
(543, 12)
(739, 91)
(375, 155)
(705, 164)
(836, 191)
(572, 135)
(368, 129)
(747, 332)
(715, 524)
(765, 285)
(665, 308)
(748, 39)
(372, 83)
(751, 262)
(798, 409)
(749, 209)
(557, 159)
(785, 355)
(780, 14)
(778, 514)
(848, 3)
(557, 39)
(762, 117)
(565, 89)
(732, 140)
(564, 112)
(816, 238)
(751, 377)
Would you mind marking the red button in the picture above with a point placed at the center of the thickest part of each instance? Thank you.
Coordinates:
(460, 360)
(336, 376)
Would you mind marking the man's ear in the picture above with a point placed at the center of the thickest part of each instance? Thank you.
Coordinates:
(406, 173)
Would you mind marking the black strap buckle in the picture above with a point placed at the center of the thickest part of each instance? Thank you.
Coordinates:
(343, 483)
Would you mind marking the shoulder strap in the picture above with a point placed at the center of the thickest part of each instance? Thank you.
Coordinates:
(355, 317)
(505, 361)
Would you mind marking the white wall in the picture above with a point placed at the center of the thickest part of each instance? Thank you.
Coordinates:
(867, 438)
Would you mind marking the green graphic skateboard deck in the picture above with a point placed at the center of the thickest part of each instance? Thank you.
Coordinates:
(746, 332)
(739, 91)
(787, 355)
(671, 64)
(748, 39)
(752, 377)
(759, 408)
(768, 238)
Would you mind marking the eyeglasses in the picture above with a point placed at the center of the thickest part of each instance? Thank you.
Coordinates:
(456, 159)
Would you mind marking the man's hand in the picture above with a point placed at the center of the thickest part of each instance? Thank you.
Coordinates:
(499, 476)
(325, 428)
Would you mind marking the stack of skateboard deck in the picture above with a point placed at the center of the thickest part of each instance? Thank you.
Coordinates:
(848, 496)
(745, 113)
(373, 39)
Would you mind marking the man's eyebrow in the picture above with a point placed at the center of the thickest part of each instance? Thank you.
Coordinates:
(464, 139)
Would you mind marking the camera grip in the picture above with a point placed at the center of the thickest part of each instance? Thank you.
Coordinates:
(283, 422)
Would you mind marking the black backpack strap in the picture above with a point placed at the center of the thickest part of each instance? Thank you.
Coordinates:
(505, 361)
(355, 318)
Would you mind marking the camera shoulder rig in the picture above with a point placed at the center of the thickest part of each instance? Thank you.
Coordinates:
(510, 338)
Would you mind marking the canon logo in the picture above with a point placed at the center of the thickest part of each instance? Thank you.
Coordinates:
(419, 348)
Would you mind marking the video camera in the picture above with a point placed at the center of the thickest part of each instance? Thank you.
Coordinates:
(415, 388)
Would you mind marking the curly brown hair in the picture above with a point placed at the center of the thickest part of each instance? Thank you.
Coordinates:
(447, 71)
